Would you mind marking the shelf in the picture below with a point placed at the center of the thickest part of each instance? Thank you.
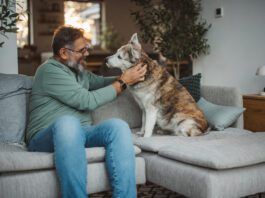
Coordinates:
(50, 22)
(50, 11)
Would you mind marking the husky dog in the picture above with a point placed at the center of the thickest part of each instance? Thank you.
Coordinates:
(161, 97)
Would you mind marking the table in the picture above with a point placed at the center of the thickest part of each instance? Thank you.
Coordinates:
(254, 116)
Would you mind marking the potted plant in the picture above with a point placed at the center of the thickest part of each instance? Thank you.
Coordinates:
(173, 27)
(8, 18)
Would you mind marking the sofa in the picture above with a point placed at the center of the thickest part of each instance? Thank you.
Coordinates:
(220, 164)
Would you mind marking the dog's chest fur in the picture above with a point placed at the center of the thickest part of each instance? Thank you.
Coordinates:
(144, 92)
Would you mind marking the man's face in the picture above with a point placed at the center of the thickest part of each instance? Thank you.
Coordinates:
(76, 53)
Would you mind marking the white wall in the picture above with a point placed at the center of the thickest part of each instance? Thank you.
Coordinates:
(8, 55)
(237, 45)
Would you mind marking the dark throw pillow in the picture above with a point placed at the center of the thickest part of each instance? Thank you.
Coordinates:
(193, 85)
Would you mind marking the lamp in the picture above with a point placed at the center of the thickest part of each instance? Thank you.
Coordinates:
(261, 72)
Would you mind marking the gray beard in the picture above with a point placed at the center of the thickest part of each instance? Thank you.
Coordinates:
(75, 66)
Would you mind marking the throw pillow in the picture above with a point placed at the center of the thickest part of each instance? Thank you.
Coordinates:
(219, 117)
(14, 94)
(193, 85)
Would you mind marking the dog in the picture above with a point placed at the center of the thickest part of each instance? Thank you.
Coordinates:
(163, 100)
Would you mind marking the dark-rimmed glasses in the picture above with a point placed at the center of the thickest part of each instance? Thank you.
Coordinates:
(82, 51)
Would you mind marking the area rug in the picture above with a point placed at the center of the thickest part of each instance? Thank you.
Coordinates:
(150, 190)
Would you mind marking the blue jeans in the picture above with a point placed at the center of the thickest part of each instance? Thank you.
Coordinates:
(67, 138)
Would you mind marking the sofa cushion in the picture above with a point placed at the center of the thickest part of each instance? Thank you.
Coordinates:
(14, 84)
(218, 116)
(156, 142)
(124, 107)
(221, 153)
(17, 158)
(198, 182)
(193, 85)
(14, 95)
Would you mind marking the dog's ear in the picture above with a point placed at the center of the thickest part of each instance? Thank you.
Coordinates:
(135, 54)
(134, 41)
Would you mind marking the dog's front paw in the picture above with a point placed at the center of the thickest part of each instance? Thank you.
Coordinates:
(159, 132)
(140, 133)
(147, 135)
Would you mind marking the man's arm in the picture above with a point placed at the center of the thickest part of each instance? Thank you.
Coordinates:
(64, 88)
(130, 76)
(96, 82)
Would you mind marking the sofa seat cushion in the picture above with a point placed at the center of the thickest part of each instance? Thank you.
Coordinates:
(154, 143)
(17, 158)
(221, 153)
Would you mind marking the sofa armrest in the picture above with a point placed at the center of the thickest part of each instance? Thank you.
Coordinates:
(227, 96)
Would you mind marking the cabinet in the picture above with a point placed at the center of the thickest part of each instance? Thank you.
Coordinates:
(28, 66)
(254, 116)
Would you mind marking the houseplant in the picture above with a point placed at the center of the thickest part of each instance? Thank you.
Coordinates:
(8, 18)
(173, 27)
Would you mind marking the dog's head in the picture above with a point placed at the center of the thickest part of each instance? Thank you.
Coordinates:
(127, 55)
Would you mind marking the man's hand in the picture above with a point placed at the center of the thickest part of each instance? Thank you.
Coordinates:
(134, 74)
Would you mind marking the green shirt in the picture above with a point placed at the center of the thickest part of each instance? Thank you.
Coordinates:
(58, 91)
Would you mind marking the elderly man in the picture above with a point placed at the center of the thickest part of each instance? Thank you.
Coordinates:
(60, 104)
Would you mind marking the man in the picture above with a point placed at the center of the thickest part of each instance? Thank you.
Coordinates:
(60, 104)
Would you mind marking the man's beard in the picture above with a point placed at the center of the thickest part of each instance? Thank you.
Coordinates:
(75, 65)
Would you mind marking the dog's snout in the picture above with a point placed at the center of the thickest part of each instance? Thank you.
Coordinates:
(106, 61)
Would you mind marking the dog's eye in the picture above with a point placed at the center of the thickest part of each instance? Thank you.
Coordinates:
(119, 57)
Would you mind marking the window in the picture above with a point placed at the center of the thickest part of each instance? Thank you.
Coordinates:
(86, 15)
(23, 24)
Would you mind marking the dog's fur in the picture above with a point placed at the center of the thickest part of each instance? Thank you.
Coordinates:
(161, 97)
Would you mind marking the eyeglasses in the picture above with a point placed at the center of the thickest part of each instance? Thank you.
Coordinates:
(82, 51)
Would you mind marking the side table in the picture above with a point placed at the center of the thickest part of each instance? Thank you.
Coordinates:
(254, 116)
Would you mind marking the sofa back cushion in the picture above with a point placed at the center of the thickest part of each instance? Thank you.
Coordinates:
(14, 97)
(124, 107)
(193, 85)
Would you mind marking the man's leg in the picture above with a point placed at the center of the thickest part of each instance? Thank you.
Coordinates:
(115, 136)
(66, 138)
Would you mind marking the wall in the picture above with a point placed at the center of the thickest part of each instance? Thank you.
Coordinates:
(237, 45)
(8, 55)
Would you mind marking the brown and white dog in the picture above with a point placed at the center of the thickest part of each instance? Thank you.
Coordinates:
(161, 97)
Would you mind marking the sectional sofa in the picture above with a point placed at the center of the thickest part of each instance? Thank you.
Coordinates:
(221, 164)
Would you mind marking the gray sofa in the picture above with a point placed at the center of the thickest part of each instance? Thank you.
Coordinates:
(229, 163)
(26, 174)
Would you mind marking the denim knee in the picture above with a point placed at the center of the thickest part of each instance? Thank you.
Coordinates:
(116, 122)
(118, 128)
(68, 128)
